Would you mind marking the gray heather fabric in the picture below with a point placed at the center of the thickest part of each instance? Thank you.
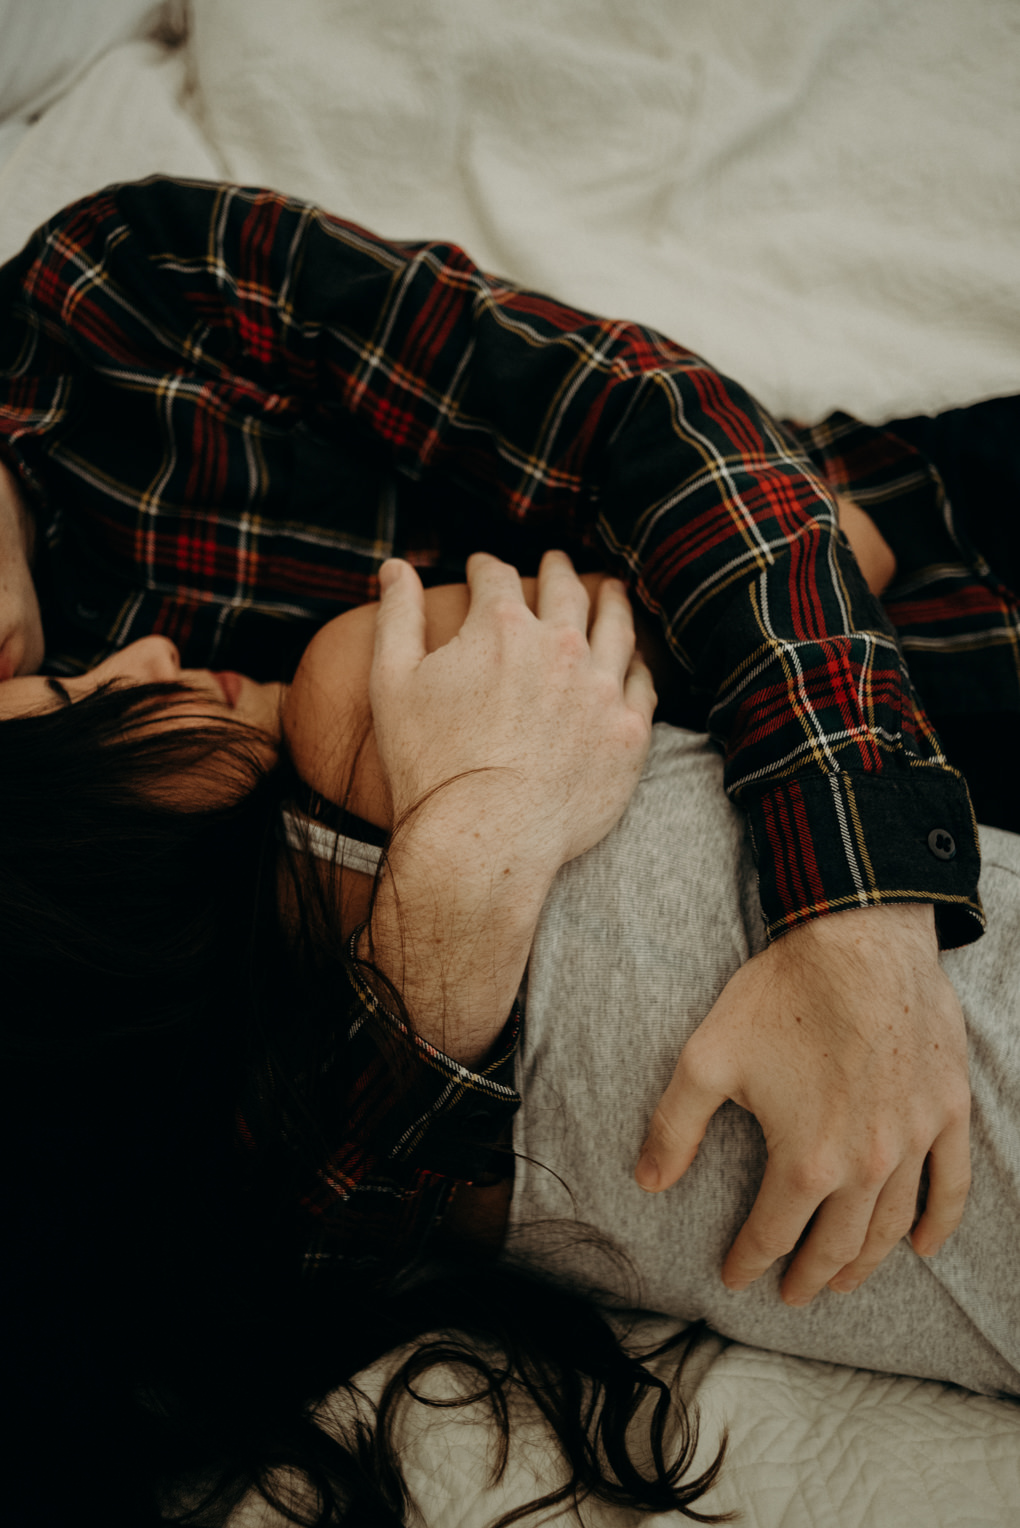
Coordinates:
(635, 942)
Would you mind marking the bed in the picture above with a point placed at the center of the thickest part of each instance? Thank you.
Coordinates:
(821, 198)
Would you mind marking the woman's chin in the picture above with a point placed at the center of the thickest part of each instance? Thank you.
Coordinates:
(261, 706)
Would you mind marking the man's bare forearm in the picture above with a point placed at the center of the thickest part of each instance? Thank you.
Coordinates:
(506, 752)
(454, 920)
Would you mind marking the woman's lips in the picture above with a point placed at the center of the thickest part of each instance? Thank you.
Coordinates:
(230, 684)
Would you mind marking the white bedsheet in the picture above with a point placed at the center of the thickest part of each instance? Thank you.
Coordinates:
(128, 117)
(821, 197)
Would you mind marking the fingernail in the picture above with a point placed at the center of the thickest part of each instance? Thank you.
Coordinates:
(796, 1301)
(845, 1286)
(646, 1174)
(389, 571)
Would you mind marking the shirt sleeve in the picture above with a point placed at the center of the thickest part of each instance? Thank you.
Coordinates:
(450, 1118)
(415, 1125)
(570, 425)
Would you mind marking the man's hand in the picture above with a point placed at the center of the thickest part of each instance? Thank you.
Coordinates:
(509, 750)
(846, 1040)
(21, 633)
(558, 724)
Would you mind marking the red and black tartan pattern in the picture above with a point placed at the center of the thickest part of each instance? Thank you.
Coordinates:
(450, 1119)
(412, 1122)
(229, 407)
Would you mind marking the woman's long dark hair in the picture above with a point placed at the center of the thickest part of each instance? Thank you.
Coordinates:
(166, 1343)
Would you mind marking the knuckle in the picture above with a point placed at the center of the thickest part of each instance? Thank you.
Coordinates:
(507, 612)
(839, 1250)
(695, 1066)
(604, 690)
(812, 1179)
(878, 1166)
(821, 1250)
(834, 1256)
(635, 730)
(865, 1260)
(891, 1230)
(951, 1197)
(958, 1103)
(762, 1247)
(917, 1142)
(572, 645)
(663, 1135)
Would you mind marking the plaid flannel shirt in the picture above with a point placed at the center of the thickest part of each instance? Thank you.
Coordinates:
(226, 408)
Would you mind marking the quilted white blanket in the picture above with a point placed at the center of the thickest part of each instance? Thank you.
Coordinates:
(820, 196)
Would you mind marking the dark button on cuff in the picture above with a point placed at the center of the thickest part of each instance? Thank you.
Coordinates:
(942, 844)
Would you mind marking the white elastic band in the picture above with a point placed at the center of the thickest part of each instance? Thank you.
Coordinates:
(313, 838)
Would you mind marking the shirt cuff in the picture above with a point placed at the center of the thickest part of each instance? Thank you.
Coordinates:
(827, 843)
(452, 1118)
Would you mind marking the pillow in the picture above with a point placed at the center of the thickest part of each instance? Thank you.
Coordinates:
(47, 44)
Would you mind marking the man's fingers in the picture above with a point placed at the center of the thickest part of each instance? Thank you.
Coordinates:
(560, 596)
(891, 1220)
(773, 1228)
(852, 1231)
(639, 688)
(676, 1131)
(612, 633)
(491, 580)
(948, 1185)
(838, 1233)
(400, 625)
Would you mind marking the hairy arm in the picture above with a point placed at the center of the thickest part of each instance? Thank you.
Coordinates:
(503, 753)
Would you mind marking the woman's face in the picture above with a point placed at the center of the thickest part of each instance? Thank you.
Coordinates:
(154, 660)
